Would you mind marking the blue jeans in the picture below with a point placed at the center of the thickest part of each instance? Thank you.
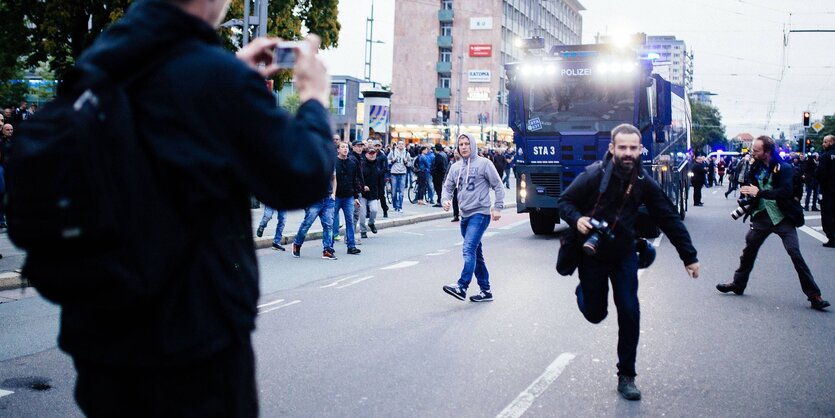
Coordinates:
(322, 209)
(347, 206)
(281, 216)
(506, 179)
(398, 182)
(593, 300)
(472, 229)
(430, 187)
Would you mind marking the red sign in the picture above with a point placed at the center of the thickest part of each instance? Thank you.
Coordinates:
(481, 50)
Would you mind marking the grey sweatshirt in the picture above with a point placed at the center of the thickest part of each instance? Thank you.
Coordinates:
(474, 177)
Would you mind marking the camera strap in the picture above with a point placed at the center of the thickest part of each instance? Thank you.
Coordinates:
(604, 184)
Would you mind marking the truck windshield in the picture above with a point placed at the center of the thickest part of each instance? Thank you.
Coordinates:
(578, 104)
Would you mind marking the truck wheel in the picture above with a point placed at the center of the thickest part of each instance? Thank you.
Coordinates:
(542, 224)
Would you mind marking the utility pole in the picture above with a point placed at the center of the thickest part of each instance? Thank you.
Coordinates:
(458, 94)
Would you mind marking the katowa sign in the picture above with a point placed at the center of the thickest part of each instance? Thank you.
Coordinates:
(481, 50)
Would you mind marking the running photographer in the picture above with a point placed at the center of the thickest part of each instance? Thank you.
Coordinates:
(768, 193)
(602, 204)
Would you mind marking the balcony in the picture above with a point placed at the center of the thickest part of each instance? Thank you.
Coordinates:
(443, 67)
(442, 93)
(445, 41)
(445, 16)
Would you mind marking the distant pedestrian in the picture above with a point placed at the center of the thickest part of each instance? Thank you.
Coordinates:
(322, 209)
(370, 196)
(473, 177)
(698, 170)
(348, 189)
(826, 180)
(440, 164)
(399, 161)
(281, 219)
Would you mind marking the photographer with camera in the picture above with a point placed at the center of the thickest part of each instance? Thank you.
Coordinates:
(602, 204)
(773, 211)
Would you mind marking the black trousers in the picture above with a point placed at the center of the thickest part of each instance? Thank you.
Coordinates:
(455, 212)
(438, 184)
(761, 228)
(697, 193)
(827, 207)
(220, 386)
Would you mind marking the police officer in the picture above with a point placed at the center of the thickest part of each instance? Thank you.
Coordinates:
(612, 190)
(775, 212)
(826, 179)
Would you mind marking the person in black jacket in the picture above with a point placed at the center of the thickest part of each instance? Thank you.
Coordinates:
(370, 197)
(826, 179)
(774, 211)
(438, 170)
(348, 188)
(699, 171)
(187, 350)
(612, 190)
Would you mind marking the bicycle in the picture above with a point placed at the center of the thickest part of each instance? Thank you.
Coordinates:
(412, 191)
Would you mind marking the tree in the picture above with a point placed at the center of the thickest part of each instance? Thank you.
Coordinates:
(707, 127)
(291, 103)
(817, 137)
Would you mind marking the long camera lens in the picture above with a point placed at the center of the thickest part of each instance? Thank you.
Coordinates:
(590, 246)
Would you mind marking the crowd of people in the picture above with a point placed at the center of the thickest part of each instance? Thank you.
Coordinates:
(369, 176)
(11, 118)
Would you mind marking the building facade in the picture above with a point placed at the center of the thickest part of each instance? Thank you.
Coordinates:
(673, 51)
(448, 74)
(702, 97)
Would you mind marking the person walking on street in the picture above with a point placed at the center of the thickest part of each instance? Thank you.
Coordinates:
(281, 219)
(611, 191)
(473, 176)
(370, 196)
(699, 171)
(826, 181)
(743, 166)
(421, 168)
(400, 161)
(775, 212)
(177, 340)
(322, 209)
(810, 168)
(720, 170)
(348, 189)
(711, 172)
(438, 170)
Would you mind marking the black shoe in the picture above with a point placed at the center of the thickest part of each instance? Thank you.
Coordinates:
(726, 194)
(627, 388)
(372, 228)
(483, 296)
(455, 219)
(806, 208)
(297, 250)
(278, 247)
(260, 232)
(436, 205)
(729, 287)
(363, 235)
(354, 250)
(814, 209)
(818, 303)
(829, 244)
(455, 291)
(328, 255)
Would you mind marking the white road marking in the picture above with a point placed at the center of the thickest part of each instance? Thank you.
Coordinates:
(338, 281)
(514, 225)
(279, 307)
(814, 234)
(538, 387)
(810, 217)
(400, 265)
(817, 228)
(411, 233)
(714, 192)
(5, 393)
(271, 303)
(438, 252)
(488, 234)
(361, 279)
(460, 243)
(657, 241)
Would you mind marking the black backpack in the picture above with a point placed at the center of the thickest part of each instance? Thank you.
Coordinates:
(83, 196)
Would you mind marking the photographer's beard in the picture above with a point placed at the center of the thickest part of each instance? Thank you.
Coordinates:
(624, 163)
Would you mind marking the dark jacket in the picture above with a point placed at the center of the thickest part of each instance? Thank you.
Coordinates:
(699, 174)
(782, 188)
(211, 166)
(825, 172)
(348, 181)
(440, 164)
(373, 178)
(580, 197)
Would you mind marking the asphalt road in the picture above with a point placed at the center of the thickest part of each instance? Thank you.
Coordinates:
(373, 335)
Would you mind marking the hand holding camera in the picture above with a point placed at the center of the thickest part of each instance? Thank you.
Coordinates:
(600, 230)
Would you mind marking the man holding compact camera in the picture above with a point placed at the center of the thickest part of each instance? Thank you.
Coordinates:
(767, 196)
(602, 203)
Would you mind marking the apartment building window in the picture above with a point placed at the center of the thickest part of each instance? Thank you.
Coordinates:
(446, 29)
(446, 4)
(443, 82)
(445, 55)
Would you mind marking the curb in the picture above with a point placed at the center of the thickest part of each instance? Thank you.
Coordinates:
(11, 280)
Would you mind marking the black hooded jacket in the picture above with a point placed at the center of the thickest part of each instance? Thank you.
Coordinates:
(580, 197)
(217, 137)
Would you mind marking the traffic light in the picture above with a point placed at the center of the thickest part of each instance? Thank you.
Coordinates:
(806, 117)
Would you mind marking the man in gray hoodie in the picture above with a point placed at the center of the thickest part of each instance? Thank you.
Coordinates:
(473, 176)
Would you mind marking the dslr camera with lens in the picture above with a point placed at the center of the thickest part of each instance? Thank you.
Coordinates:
(746, 205)
(600, 230)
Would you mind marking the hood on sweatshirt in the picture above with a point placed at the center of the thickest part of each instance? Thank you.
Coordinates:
(466, 161)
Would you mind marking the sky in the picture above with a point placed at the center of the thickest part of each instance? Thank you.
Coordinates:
(764, 76)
